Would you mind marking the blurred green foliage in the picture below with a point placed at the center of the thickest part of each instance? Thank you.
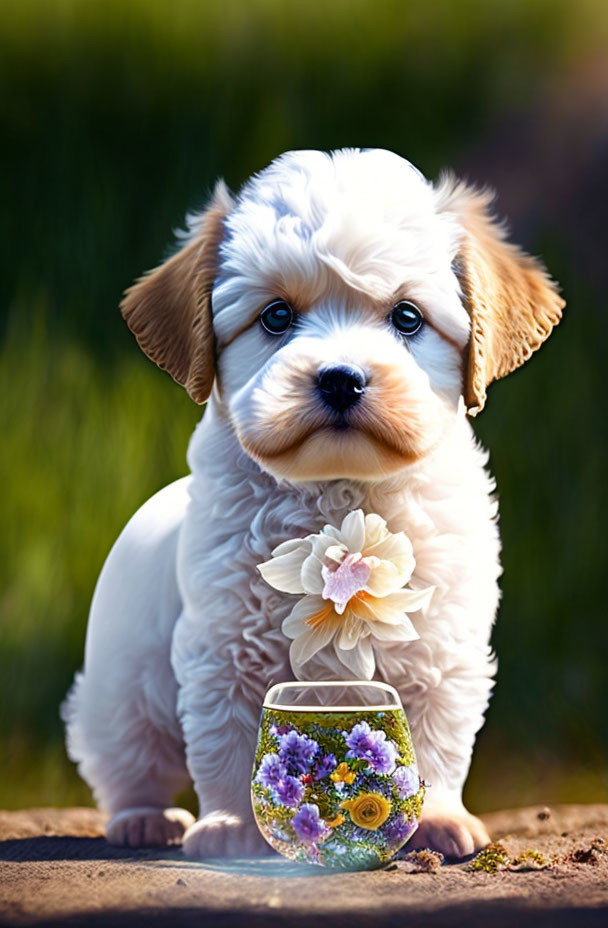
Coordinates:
(118, 116)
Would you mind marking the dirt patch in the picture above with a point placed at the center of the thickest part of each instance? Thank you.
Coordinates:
(55, 869)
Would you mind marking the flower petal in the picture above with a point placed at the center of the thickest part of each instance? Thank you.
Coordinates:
(385, 631)
(386, 611)
(375, 529)
(306, 645)
(412, 600)
(351, 630)
(296, 622)
(352, 531)
(397, 549)
(392, 544)
(385, 577)
(311, 576)
(286, 547)
(284, 572)
(349, 578)
(323, 541)
(360, 660)
(334, 556)
(331, 532)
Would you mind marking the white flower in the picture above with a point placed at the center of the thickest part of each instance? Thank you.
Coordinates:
(353, 581)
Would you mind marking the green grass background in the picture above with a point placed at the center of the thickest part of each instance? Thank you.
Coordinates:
(117, 117)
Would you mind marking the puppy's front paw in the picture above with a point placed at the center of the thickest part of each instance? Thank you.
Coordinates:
(452, 831)
(220, 834)
(145, 826)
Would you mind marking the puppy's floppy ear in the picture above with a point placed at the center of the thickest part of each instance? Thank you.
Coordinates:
(512, 301)
(169, 308)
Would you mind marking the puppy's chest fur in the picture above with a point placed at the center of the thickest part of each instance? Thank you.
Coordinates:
(238, 514)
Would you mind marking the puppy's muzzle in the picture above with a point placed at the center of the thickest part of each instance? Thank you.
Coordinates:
(341, 387)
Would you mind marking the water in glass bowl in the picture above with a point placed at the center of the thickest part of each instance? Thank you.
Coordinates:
(334, 778)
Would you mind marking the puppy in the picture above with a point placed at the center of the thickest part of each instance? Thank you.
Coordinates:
(341, 316)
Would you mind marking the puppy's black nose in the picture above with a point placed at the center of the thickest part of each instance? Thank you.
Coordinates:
(341, 387)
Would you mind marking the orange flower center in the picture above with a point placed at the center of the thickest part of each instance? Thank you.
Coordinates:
(319, 617)
(328, 612)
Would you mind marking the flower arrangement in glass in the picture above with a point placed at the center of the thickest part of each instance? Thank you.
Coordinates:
(334, 778)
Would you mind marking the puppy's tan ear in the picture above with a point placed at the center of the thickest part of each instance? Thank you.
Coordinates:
(169, 308)
(512, 302)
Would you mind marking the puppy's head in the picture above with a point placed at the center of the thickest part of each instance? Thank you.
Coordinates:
(343, 305)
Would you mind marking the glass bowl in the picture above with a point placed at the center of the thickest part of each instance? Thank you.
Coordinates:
(334, 779)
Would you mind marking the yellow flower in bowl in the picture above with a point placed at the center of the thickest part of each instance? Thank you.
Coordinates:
(343, 774)
(338, 820)
(368, 810)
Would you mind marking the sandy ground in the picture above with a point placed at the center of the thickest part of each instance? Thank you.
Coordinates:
(56, 869)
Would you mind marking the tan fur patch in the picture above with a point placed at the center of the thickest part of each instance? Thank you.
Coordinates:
(169, 308)
(512, 301)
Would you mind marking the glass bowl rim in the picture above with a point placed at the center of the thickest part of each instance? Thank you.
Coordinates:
(310, 684)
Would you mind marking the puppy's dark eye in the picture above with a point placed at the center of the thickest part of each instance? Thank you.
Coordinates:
(406, 317)
(277, 317)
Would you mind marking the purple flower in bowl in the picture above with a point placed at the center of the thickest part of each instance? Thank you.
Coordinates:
(407, 781)
(308, 824)
(289, 791)
(372, 746)
(277, 730)
(270, 771)
(399, 828)
(324, 766)
(297, 752)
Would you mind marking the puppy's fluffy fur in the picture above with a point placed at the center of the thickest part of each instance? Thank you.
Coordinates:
(184, 636)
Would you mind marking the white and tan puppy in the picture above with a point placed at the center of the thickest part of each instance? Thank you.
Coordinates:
(341, 315)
